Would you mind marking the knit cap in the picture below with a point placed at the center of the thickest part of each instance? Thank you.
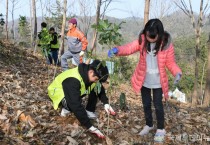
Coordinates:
(73, 21)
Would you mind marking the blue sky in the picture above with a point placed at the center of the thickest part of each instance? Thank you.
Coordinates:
(118, 8)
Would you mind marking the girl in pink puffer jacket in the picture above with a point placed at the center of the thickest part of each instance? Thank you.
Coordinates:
(156, 54)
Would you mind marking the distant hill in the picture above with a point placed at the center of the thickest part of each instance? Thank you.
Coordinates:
(177, 24)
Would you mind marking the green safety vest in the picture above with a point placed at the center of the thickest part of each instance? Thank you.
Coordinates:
(57, 45)
(55, 89)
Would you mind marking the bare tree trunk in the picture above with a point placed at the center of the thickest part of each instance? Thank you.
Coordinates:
(195, 90)
(85, 12)
(206, 101)
(99, 15)
(34, 23)
(31, 26)
(14, 7)
(146, 11)
(61, 50)
(198, 35)
(6, 26)
(13, 21)
(42, 9)
(97, 21)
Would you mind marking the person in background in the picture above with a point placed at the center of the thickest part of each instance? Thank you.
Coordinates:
(72, 85)
(54, 47)
(156, 54)
(77, 45)
(44, 41)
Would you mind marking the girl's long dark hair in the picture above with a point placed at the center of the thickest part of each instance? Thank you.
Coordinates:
(154, 27)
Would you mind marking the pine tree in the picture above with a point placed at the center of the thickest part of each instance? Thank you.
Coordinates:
(23, 29)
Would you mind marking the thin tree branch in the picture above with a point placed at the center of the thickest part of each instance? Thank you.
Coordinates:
(192, 16)
(185, 11)
(206, 6)
(105, 7)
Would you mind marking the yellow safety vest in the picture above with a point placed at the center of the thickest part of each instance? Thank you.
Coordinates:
(57, 45)
(55, 89)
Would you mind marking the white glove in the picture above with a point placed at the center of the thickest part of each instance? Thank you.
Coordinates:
(109, 109)
(81, 53)
(97, 132)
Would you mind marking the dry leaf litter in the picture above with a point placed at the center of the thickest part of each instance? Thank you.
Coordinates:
(28, 118)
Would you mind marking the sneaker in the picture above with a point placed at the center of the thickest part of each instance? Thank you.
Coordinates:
(91, 115)
(160, 135)
(146, 130)
(64, 112)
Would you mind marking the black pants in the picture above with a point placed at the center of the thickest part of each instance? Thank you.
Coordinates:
(157, 101)
(91, 104)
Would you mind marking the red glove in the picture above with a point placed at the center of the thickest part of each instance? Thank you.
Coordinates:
(109, 109)
(97, 132)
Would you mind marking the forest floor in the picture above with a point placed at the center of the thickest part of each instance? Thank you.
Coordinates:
(27, 116)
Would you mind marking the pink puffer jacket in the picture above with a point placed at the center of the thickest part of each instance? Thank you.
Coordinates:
(166, 59)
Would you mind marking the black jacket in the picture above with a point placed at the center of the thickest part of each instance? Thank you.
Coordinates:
(55, 38)
(71, 88)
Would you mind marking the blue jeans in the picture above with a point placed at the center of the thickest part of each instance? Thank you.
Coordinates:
(157, 101)
(53, 56)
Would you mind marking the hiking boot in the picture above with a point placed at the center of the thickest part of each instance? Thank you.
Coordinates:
(65, 112)
(160, 135)
(146, 130)
(91, 115)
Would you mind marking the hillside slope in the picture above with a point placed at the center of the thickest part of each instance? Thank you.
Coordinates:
(27, 116)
